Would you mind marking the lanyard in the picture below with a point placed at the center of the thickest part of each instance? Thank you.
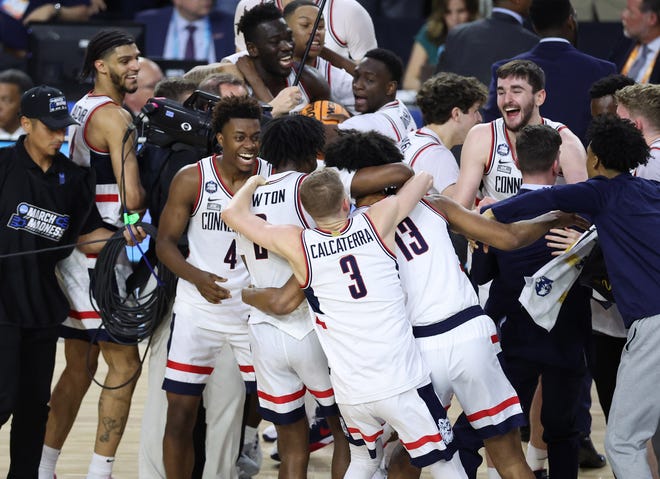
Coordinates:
(631, 59)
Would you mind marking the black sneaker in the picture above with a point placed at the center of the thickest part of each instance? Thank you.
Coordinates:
(588, 457)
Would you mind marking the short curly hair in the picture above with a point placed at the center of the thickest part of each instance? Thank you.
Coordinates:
(617, 143)
(391, 61)
(357, 149)
(609, 85)
(234, 107)
(292, 138)
(440, 94)
(252, 18)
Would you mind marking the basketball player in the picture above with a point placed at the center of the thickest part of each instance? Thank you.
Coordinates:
(98, 142)
(489, 153)
(207, 316)
(352, 286)
(288, 359)
(375, 82)
(450, 106)
(462, 346)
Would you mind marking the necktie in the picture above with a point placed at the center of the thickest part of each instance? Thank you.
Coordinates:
(190, 43)
(639, 62)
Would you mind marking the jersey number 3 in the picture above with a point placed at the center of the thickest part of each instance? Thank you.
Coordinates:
(349, 266)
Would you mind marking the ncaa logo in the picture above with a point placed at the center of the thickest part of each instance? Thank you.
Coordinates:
(543, 286)
(185, 126)
(211, 187)
(502, 149)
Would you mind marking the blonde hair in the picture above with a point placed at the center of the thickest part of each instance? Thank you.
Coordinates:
(322, 193)
(641, 99)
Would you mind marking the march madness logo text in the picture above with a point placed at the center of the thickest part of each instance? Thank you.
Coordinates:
(38, 221)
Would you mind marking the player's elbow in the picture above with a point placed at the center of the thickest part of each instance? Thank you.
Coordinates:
(134, 199)
(285, 304)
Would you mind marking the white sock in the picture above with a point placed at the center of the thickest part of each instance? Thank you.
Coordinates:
(100, 467)
(49, 457)
(493, 474)
(536, 457)
(249, 433)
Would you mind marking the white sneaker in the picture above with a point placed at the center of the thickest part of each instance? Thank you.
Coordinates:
(269, 434)
(249, 462)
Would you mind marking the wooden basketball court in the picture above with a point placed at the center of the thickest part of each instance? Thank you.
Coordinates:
(77, 451)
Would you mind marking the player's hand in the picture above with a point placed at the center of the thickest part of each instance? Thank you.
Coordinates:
(487, 201)
(560, 239)
(563, 220)
(138, 233)
(257, 180)
(286, 100)
(207, 285)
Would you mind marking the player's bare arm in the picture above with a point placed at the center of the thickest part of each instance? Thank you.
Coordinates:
(173, 222)
(572, 157)
(283, 240)
(105, 132)
(474, 158)
(486, 229)
(387, 213)
(275, 301)
(377, 178)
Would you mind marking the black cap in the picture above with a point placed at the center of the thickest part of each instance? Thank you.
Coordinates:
(48, 105)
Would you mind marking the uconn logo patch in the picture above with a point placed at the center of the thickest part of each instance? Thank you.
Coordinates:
(503, 149)
(543, 286)
(39, 221)
(211, 187)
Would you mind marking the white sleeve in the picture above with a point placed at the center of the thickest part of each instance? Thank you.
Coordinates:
(351, 24)
(651, 170)
(369, 122)
(346, 178)
(440, 163)
(341, 88)
(239, 40)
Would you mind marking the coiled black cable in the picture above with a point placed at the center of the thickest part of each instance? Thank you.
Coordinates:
(128, 319)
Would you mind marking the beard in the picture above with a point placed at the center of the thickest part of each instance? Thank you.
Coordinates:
(119, 85)
(525, 116)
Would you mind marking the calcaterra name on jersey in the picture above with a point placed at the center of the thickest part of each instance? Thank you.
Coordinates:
(211, 220)
(341, 244)
(269, 197)
(507, 184)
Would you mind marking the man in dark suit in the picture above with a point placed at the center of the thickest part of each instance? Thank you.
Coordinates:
(471, 48)
(637, 57)
(189, 30)
(569, 73)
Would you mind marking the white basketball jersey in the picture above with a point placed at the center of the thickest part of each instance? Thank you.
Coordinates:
(213, 248)
(107, 191)
(502, 178)
(651, 170)
(427, 260)
(278, 202)
(392, 120)
(427, 153)
(358, 308)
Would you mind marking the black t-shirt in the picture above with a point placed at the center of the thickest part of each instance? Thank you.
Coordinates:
(39, 210)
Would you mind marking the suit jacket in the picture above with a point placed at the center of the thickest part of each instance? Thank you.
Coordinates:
(569, 73)
(621, 52)
(157, 22)
(471, 48)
